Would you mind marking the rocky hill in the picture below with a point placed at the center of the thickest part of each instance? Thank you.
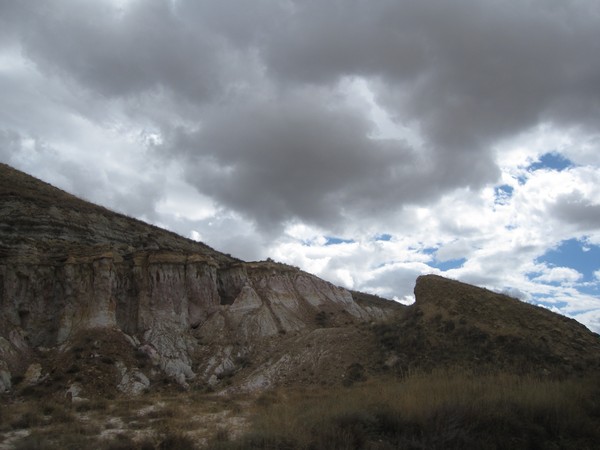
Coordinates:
(455, 324)
(93, 300)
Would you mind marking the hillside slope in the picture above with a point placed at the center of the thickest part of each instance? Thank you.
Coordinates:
(169, 307)
(42, 221)
(456, 324)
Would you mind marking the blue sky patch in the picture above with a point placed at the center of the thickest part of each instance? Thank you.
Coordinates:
(333, 240)
(521, 179)
(448, 265)
(541, 300)
(552, 161)
(383, 237)
(590, 289)
(575, 254)
(503, 193)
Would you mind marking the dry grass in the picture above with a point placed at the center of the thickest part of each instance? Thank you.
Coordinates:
(438, 411)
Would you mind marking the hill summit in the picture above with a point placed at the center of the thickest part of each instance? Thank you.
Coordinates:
(455, 324)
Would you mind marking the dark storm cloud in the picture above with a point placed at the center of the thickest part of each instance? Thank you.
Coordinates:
(467, 71)
(120, 53)
(575, 209)
(9, 11)
(272, 139)
(303, 157)
(465, 74)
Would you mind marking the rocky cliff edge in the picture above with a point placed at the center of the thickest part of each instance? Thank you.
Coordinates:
(79, 282)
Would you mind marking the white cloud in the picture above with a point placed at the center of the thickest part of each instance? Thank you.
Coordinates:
(559, 275)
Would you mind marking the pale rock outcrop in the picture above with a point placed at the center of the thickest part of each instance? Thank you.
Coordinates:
(73, 393)
(250, 316)
(15, 355)
(68, 267)
(165, 301)
(133, 382)
(7, 351)
(5, 378)
(33, 374)
(218, 364)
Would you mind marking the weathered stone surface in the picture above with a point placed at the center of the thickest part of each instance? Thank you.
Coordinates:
(67, 267)
(5, 382)
(33, 374)
(133, 382)
(164, 301)
(73, 394)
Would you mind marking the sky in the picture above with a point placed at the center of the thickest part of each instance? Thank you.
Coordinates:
(367, 142)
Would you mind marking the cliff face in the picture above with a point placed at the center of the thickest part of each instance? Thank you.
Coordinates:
(68, 267)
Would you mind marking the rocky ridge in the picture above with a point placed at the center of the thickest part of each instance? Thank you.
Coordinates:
(82, 283)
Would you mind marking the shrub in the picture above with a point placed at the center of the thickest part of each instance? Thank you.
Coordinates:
(124, 442)
(321, 319)
(354, 373)
(16, 379)
(243, 361)
(31, 442)
(176, 441)
(27, 420)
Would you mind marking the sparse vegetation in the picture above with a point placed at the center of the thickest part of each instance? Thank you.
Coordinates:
(355, 373)
(160, 421)
(446, 410)
(321, 319)
(30, 196)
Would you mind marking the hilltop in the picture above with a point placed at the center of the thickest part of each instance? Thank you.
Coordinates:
(455, 324)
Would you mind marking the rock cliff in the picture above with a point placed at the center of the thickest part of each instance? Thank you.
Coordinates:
(171, 306)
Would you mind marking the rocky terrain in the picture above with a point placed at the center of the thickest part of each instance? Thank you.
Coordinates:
(72, 272)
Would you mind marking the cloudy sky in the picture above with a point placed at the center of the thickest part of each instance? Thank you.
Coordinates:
(367, 142)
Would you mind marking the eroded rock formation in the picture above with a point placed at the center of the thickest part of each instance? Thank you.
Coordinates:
(68, 267)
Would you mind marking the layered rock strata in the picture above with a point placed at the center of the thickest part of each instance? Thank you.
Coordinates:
(68, 266)
(166, 300)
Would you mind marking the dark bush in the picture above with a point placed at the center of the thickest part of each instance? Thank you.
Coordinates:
(176, 441)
